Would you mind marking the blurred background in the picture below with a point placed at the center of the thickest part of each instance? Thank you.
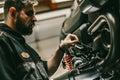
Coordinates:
(50, 16)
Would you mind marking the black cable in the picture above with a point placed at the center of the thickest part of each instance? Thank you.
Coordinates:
(71, 75)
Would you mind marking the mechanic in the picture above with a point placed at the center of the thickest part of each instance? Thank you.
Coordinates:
(18, 61)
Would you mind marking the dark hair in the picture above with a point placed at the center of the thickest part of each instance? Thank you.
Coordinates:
(18, 4)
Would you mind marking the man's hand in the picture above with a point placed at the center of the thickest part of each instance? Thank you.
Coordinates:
(70, 40)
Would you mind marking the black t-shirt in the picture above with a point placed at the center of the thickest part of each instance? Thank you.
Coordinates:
(18, 61)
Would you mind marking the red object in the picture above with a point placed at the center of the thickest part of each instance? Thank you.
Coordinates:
(67, 59)
(53, 5)
(49, 3)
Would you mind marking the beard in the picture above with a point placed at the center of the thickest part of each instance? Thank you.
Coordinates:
(22, 27)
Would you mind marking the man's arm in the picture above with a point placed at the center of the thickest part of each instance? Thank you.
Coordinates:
(6, 72)
(6, 65)
(54, 61)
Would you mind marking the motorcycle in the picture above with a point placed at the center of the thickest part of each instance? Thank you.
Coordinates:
(97, 25)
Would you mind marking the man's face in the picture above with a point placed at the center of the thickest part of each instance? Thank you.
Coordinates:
(25, 21)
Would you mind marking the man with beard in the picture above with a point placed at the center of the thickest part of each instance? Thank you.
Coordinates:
(18, 61)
